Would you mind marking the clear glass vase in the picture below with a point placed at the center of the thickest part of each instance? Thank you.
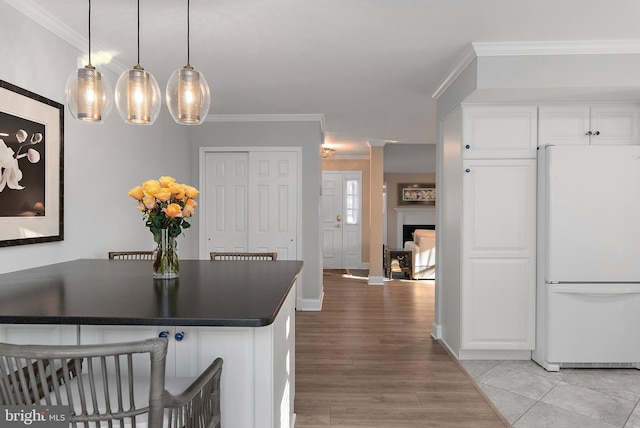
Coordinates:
(165, 257)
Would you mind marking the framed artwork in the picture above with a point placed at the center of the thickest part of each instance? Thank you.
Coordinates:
(31, 167)
(416, 194)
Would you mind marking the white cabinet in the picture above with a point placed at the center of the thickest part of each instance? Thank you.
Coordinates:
(258, 375)
(582, 124)
(491, 132)
(39, 334)
(498, 254)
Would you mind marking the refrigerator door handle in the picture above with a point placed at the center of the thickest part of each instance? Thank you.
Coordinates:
(596, 289)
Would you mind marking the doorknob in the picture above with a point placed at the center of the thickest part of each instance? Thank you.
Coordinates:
(338, 225)
(338, 217)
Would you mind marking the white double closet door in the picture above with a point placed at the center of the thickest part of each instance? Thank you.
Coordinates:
(251, 201)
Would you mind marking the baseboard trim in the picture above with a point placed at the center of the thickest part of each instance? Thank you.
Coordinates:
(376, 280)
(310, 304)
(481, 354)
(436, 331)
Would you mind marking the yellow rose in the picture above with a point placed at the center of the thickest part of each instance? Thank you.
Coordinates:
(141, 207)
(163, 195)
(178, 191)
(191, 202)
(187, 211)
(149, 202)
(166, 181)
(151, 187)
(136, 193)
(173, 210)
(191, 192)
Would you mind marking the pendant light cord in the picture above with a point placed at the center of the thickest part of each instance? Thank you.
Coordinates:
(89, 32)
(188, 33)
(138, 32)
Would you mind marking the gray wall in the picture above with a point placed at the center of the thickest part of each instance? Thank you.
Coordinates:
(101, 161)
(409, 158)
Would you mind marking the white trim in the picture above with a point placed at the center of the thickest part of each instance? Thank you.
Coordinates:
(576, 47)
(436, 331)
(478, 354)
(266, 118)
(310, 304)
(459, 66)
(376, 280)
(57, 27)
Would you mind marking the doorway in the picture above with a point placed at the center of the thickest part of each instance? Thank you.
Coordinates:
(342, 219)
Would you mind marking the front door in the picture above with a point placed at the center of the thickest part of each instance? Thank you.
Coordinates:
(341, 219)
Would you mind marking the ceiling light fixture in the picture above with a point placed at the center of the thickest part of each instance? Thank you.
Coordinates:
(327, 152)
(87, 92)
(137, 93)
(187, 95)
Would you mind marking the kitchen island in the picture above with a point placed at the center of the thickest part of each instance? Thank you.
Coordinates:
(242, 311)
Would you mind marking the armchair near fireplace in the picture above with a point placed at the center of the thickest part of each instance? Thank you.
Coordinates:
(423, 254)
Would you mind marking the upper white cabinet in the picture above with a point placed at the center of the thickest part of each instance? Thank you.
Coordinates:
(589, 124)
(499, 132)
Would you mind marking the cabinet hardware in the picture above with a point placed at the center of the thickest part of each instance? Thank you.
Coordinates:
(467, 170)
(164, 334)
(467, 146)
(179, 336)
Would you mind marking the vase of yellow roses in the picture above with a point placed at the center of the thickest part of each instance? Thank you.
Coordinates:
(166, 206)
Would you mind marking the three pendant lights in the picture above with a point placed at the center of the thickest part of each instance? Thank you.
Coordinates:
(137, 96)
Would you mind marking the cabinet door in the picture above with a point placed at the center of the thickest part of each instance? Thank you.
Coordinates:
(95, 334)
(39, 334)
(615, 124)
(499, 132)
(563, 125)
(498, 268)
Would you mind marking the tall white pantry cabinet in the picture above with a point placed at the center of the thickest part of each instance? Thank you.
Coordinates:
(498, 225)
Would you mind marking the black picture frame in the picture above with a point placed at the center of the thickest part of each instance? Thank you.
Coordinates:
(416, 194)
(31, 167)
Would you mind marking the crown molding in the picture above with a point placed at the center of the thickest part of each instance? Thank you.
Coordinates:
(267, 118)
(459, 66)
(57, 27)
(578, 47)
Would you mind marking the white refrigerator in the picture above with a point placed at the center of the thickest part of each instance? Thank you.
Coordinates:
(588, 278)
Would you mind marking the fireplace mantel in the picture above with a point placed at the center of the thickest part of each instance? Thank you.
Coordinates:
(413, 215)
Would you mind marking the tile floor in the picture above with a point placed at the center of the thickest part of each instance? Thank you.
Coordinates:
(530, 397)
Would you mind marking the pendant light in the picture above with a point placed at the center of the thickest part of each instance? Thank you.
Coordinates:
(187, 94)
(137, 93)
(87, 92)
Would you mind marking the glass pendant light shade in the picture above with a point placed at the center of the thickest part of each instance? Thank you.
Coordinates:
(88, 95)
(138, 96)
(188, 96)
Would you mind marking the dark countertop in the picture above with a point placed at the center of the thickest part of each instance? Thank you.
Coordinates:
(123, 292)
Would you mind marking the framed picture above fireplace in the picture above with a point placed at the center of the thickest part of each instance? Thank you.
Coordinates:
(416, 194)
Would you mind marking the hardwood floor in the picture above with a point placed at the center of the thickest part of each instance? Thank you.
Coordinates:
(368, 360)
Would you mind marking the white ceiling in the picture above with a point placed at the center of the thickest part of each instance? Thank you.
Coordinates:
(369, 66)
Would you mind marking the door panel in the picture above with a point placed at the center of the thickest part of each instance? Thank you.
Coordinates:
(225, 204)
(272, 203)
